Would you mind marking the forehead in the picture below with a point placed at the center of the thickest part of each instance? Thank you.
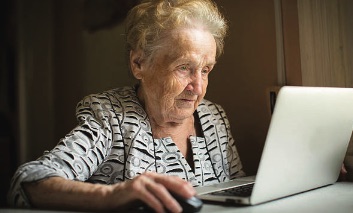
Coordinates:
(188, 44)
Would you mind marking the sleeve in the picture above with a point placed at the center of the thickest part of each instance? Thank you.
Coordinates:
(235, 165)
(76, 156)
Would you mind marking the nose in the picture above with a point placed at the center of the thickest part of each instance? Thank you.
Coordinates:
(196, 83)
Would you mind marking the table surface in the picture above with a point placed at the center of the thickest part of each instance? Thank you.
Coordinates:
(337, 198)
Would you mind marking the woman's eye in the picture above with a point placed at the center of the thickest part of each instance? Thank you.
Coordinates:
(183, 68)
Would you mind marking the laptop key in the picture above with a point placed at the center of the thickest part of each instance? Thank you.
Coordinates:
(241, 191)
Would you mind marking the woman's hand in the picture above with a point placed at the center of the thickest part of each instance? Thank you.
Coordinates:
(343, 174)
(152, 189)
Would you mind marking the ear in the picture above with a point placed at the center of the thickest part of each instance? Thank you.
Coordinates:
(136, 63)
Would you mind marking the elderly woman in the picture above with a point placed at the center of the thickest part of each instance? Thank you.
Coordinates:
(141, 143)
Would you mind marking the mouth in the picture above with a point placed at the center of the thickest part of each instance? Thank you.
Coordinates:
(186, 103)
(187, 100)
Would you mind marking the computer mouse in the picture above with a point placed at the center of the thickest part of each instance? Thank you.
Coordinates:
(192, 204)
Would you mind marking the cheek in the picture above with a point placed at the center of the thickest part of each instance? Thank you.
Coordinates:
(204, 90)
(204, 86)
(151, 85)
(173, 87)
(164, 88)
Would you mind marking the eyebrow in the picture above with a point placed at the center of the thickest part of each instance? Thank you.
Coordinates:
(187, 61)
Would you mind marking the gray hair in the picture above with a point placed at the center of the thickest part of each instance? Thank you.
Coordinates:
(148, 22)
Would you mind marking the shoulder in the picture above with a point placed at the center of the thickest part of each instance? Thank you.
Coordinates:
(107, 98)
(117, 93)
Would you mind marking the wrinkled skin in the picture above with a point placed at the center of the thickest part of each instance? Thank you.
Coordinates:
(174, 83)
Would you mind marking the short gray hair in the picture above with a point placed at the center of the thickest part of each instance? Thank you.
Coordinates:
(147, 22)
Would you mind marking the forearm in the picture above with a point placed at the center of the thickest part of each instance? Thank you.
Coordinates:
(151, 188)
(60, 193)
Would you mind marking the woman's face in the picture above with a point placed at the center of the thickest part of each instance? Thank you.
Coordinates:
(175, 80)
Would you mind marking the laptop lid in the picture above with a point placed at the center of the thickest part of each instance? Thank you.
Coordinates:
(306, 141)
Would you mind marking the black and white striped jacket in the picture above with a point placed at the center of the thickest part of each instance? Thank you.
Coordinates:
(113, 142)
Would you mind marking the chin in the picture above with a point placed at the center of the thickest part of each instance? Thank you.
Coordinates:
(182, 115)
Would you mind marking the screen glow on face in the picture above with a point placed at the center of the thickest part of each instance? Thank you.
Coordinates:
(177, 78)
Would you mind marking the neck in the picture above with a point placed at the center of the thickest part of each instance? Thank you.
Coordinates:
(165, 125)
(155, 115)
(172, 129)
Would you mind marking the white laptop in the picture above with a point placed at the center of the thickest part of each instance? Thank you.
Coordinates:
(305, 146)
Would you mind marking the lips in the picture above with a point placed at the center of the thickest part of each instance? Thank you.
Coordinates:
(186, 102)
(187, 99)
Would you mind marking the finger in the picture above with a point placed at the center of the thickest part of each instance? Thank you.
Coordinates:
(140, 187)
(164, 197)
(343, 169)
(149, 199)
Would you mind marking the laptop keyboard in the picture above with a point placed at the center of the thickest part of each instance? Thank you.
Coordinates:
(241, 191)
